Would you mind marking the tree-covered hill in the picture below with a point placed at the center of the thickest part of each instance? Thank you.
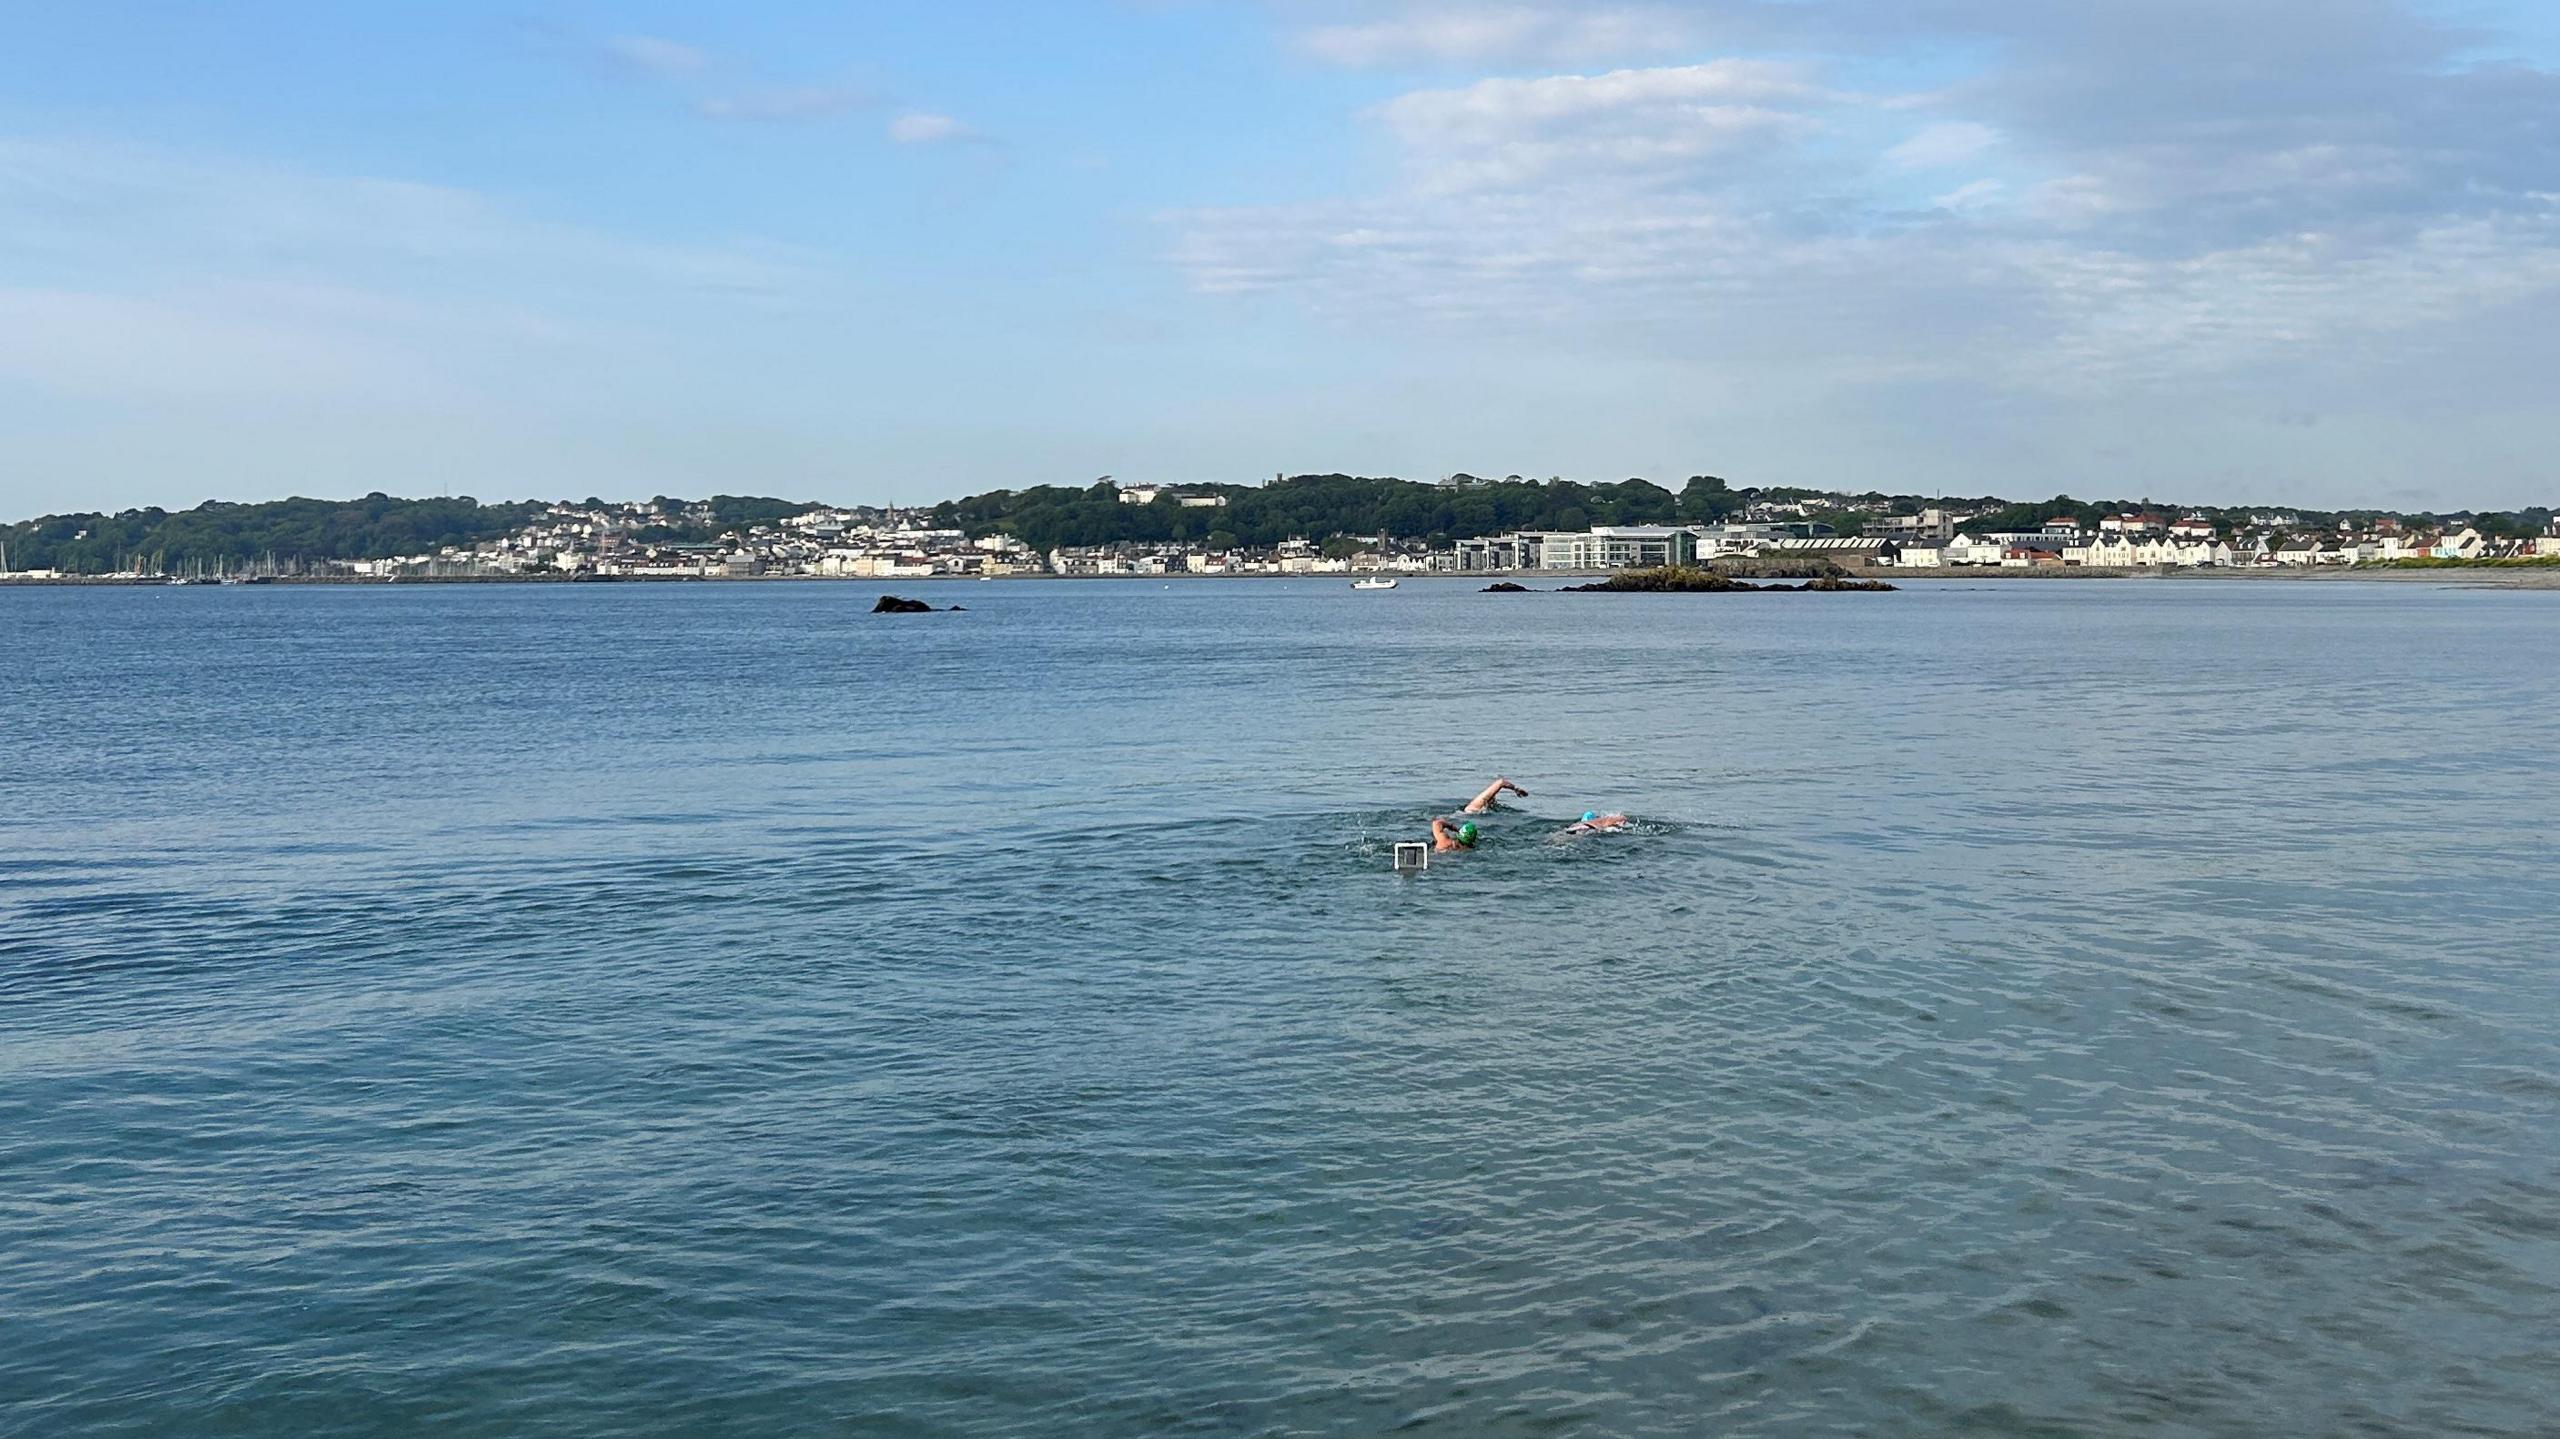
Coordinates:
(1318, 507)
(219, 533)
(297, 532)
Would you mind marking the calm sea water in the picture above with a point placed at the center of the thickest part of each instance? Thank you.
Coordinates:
(2097, 1008)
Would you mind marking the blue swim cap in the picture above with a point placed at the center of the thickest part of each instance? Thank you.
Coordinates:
(1589, 815)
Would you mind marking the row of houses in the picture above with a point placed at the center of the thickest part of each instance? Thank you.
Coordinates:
(2173, 549)
(1378, 555)
(630, 540)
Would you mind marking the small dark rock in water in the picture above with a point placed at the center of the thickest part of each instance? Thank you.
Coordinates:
(1505, 587)
(892, 605)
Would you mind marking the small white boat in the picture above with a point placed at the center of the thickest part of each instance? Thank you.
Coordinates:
(1373, 584)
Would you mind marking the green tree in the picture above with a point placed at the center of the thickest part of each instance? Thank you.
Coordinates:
(1708, 500)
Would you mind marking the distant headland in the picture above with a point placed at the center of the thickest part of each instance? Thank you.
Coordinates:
(1300, 525)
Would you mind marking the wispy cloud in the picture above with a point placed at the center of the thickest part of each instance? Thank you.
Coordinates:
(924, 127)
(1951, 143)
(1458, 34)
(157, 271)
(657, 56)
(1659, 122)
(731, 89)
(2178, 192)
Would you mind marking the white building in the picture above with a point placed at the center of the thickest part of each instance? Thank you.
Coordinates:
(1618, 547)
(1604, 547)
(1970, 550)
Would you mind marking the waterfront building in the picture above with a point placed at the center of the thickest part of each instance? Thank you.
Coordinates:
(1931, 526)
(1490, 553)
(1619, 547)
(1852, 551)
(1967, 549)
(1750, 536)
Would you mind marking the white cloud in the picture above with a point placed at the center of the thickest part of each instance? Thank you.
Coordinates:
(1503, 132)
(1972, 195)
(1704, 212)
(2004, 310)
(662, 57)
(1561, 34)
(923, 127)
(2184, 203)
(1951, 143)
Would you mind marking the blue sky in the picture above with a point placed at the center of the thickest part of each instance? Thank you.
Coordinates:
(2292, 251)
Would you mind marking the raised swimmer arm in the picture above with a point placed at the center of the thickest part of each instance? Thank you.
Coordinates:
(1493, 792)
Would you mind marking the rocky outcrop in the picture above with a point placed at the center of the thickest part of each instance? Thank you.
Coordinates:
(892, 605)
(1505, 587)
(1690, 580)
(1778, 567)
(1668, 579)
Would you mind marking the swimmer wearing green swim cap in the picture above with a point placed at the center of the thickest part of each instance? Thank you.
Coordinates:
(1447, 838)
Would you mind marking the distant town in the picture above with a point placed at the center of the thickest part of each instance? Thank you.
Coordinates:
(1159, 530)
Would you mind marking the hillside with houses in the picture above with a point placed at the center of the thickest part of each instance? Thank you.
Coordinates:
(1311, 525)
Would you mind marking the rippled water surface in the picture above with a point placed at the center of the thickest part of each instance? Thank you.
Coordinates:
(2089, 1008)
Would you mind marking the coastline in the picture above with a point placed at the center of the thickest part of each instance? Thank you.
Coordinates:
(2508, 577)
(2504, 577)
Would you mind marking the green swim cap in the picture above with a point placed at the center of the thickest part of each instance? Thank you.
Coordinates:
(1467, 835)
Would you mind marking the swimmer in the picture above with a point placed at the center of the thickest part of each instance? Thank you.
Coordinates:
(1493, 792)
(1447, 838)
(1594, 822)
